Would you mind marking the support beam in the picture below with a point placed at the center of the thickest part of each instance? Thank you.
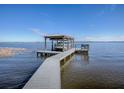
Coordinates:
(67, 44)
(45, 45)
(73, 43)
(57, 41)
(63, 44)
(52, 45)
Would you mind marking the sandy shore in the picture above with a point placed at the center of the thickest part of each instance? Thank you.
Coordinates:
(5, 52)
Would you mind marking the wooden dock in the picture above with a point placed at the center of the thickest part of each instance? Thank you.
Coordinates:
(48, 75)
(84, 49)
(46, 53)
(81, 50)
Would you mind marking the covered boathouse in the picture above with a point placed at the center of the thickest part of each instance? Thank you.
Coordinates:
(59, 42)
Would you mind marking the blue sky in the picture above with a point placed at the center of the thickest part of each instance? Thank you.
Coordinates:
(84, 22)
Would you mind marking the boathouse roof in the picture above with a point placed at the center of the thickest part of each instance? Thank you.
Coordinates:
(55, 37)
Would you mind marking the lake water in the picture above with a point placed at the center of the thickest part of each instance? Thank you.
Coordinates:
(103, 67)
(15, 71)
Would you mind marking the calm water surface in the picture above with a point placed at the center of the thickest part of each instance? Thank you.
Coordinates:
(15, 71)
(102, 68)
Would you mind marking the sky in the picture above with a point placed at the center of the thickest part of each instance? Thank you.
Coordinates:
(29, 23)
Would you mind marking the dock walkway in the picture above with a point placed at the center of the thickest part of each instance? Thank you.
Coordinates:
(48, 75)
(81, 50)
(46, 53)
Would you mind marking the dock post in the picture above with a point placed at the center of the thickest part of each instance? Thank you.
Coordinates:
(37, 54)
(63, 45)
(52, 45)
(45, 44)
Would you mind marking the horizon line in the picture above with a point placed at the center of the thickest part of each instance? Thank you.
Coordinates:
(49, 41)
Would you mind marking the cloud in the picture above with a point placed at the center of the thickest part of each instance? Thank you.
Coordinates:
(38, 32)
(104, 38)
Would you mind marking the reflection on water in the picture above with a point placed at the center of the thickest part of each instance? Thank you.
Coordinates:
(96, 70)
(84, 58)
(66, 68)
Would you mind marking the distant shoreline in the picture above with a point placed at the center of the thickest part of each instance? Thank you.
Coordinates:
(7, 52)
